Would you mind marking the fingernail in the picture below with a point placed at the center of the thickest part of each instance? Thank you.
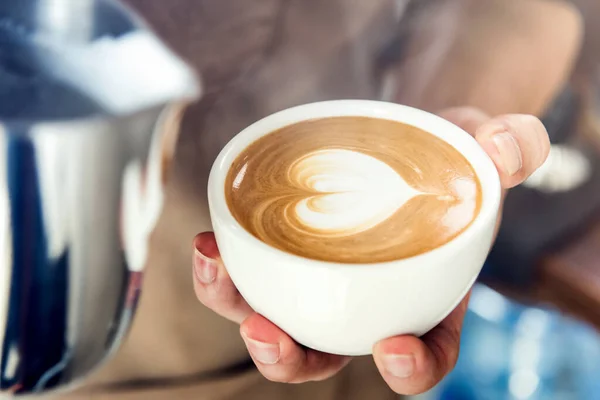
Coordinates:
(205, 268)
(265, 353)
(399, 365)
(510, 152)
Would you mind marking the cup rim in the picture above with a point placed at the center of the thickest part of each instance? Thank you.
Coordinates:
(462, 141)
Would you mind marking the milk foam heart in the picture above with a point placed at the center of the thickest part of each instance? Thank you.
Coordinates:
(352, 190)
(358, 191)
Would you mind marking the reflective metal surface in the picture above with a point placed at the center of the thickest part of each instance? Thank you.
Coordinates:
(89, 106)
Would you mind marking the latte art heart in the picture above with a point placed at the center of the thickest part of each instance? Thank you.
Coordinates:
(353, 190)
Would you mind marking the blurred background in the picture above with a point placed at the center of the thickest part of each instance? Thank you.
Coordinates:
(514, 351)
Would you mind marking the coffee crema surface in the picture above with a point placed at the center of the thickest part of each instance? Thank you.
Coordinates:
(353, 190)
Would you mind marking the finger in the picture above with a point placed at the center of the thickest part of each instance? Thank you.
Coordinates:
(518, 145)
(467, 118)
(280, 359)
(412, 365)
(212, 284)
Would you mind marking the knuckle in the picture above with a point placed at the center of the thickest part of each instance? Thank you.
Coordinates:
(414, 390)
(544, 145)
(218, 299)
(468, 118)
(517, 124)
(413, 387)
(536, 130)
(227, 295)
(270, 375)
(531, 130)
(227, 303)
(214, 295)
(200, 292)
(204, 298)
(446, 351)
(222, 297)
(279, 374)
(530, 120)
(504, 123)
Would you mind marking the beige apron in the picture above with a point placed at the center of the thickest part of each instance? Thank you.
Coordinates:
(259, 56)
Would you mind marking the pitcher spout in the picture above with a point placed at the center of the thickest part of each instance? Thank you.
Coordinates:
(126, 72)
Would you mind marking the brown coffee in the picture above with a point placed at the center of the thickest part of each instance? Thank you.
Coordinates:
(353, 190)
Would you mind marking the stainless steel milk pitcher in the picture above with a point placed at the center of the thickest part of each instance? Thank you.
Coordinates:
(90, 101)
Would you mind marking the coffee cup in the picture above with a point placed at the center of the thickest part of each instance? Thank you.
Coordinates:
(346, 305)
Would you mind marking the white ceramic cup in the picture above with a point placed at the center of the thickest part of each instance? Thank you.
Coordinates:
(347, 308)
